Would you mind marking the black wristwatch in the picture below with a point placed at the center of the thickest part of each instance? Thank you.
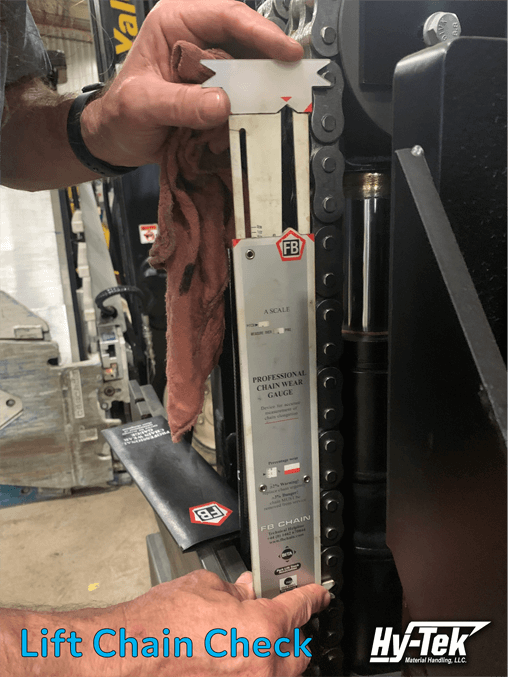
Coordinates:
(90, 92)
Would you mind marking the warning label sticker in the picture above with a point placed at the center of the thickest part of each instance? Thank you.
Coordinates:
(147, 233)
(143, 432)
(209, 513)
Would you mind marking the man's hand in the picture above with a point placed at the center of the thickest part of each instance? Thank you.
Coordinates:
(193, 605)
(190, 606)
(129, 124)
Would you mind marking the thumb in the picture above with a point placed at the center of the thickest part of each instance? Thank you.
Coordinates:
(182, 105)
(245, 583)
(301, 603)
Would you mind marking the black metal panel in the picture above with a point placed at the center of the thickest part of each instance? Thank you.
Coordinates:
(451, 100)
(447, 429)
(395, 29)
(373, 36)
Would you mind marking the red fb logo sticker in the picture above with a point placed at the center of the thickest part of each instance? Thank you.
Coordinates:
(209, 513)
(291, 246)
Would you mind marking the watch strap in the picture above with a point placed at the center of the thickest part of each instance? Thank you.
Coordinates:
(75, 137)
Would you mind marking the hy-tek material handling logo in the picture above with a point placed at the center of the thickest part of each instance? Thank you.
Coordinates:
(438, 642)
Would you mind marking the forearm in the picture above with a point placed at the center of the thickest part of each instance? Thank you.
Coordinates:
(35, 153)
(21, 639)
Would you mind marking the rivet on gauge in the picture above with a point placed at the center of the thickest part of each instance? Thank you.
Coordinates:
(250, 254)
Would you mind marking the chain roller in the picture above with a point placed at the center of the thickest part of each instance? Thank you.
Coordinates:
(314, 24)
(277, 11)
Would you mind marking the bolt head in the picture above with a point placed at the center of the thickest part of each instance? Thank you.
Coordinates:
(328, 35)
(329, 242)
(330, 446)
(330, 414)
(329, 314)
(329, 164)
(330, 382)
(441, 27)
(331, 476)
(329, 279)
(330, 349)
(332, 560)
(328, 122)
(331, 505)
(329, 205)
(417, 151)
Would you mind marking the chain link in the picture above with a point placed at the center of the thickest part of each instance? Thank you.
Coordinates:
(314, 24)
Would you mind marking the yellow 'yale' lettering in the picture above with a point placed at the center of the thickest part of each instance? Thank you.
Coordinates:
(124, 44)
(123, 6)
(128, 24)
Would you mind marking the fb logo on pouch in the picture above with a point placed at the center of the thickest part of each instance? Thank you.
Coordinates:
(291, 246)
(209, 513)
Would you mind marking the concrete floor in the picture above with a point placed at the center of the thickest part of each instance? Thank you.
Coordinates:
(76, 552)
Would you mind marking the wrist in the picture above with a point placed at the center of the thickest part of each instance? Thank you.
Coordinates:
(93, 133)
(96, 136)
(92, 139)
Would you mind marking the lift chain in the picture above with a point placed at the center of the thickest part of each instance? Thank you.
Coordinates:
(314, 23)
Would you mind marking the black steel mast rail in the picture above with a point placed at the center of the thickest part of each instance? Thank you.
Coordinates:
(447, 435)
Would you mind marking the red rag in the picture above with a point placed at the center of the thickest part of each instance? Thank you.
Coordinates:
(195, 227)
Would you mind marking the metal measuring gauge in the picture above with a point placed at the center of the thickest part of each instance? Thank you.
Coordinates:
(275, 306)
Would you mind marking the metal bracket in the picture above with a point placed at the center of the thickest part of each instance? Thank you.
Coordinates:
(10, 408)
(17, 322)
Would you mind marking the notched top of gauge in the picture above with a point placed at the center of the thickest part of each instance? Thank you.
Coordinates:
(265, 85)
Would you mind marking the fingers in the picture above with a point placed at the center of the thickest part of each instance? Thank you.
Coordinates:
(300, 604)
(190, 106)
(226, 23)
